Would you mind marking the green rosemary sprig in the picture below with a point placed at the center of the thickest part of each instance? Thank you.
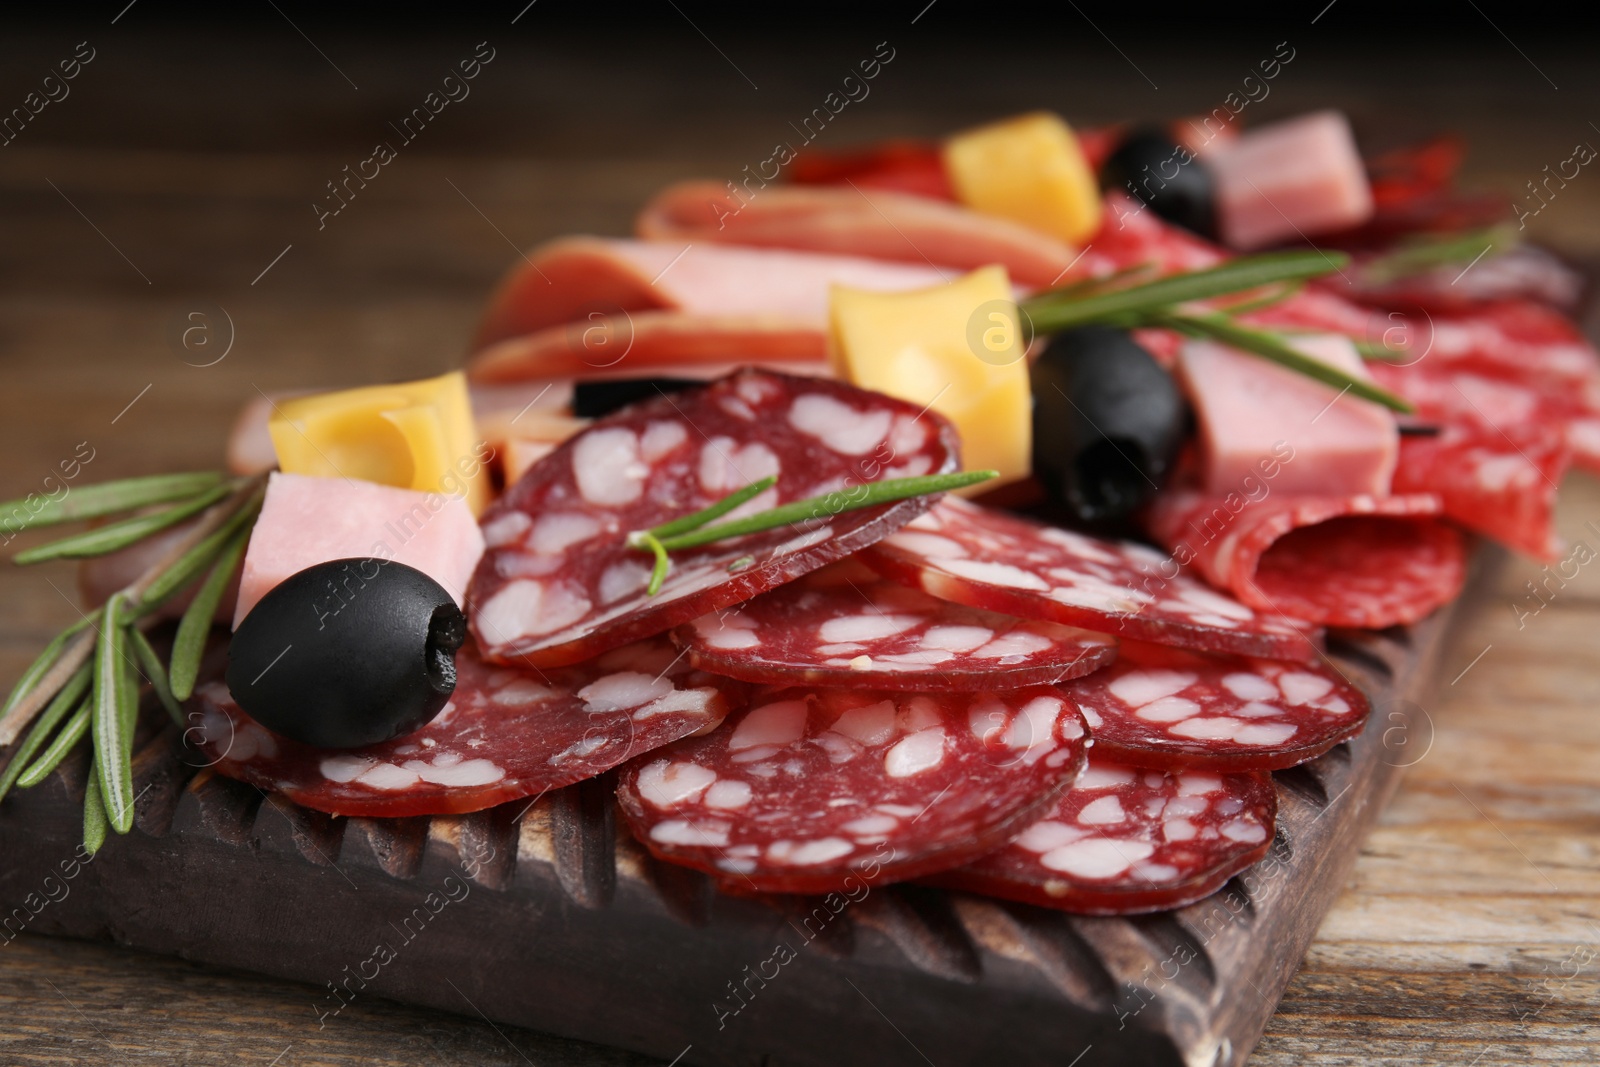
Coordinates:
(86, 682)
(1159, 303)
(693, 530)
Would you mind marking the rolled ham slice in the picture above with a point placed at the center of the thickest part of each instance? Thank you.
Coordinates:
(1359, 561)
(629, 344)
(852, 221)
(584, 279)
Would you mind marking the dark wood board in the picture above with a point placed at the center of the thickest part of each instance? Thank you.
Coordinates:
(547, 915)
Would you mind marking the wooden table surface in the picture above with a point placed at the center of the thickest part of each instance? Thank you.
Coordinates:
(178, 177)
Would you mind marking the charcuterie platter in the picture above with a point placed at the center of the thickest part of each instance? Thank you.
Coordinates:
(992, 640)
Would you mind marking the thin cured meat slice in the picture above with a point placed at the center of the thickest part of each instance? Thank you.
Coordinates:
(988, 559)
(810, 790)
(1125, 840)
(1500, 484)
(846, 625)
(852, 221)
(1169, 707)
(559, 583)
(505, 733)
(578, 278)
(1360, 561)
(644, 342)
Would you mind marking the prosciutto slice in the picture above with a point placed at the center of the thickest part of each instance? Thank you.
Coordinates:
(580, 279)
(853, 221)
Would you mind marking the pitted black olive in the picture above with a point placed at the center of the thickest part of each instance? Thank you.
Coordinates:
(601, 396)
(348, 653)
(1176, 185)
(1107, 423)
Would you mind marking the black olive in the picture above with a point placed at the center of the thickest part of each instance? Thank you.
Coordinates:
(347, 653)
(602, 396)
(1107, 423)
(1176, 185)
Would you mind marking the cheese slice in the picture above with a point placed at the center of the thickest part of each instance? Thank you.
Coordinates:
(1029, 169)
(957, 348)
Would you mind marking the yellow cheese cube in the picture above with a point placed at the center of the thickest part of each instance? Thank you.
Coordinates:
(415, 435)
(1029, 169)
(957, 348)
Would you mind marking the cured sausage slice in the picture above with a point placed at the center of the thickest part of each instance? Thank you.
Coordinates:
(1360, 561)
(846, 625)
(986, 559)
(816, 790)
(1125, 840)
(1500, 483)
(559, 583)
(505, 733)
(1168, 707)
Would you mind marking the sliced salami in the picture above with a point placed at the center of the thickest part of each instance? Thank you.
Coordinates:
(1169, 707)
(846, 625)
(506, 733)
(1359, 561)
(987, 559)
(1125, 840)
(1501, 484)
(810, 789)
(559, 582)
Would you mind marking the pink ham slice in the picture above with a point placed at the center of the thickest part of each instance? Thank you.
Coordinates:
(845, 625)
(1257, 417)
(305, 521)
(1359, 561)
(816, 790)
(1125, 840)
(559, 583)
(999, 562)
(655, 343)
(581, 279)
(1291, 179)
(504, 734)
(845, 220)
(1170, 707)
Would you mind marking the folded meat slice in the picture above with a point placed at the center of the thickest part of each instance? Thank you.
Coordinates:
(1359, 561)
(582, 279)
(649, 342)
(853, 221)
(1501, 484)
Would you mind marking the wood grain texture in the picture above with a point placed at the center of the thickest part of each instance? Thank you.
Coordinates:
(198, 157)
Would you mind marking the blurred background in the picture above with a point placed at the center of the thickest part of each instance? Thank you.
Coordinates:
(184, 170)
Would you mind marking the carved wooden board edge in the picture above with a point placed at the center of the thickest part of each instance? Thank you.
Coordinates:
(547, 915)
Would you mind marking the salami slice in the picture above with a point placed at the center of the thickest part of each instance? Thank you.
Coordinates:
(1501, 484)
(559, 582)
(506, 733)
(810, 789)
(846, 625)
(1125, 840)
(1169, 707)
(987, 559)
(1360, 561)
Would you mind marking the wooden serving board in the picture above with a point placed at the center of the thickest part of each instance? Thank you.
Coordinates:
(548, 915)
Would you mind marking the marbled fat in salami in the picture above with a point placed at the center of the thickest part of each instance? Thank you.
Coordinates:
(986, 559)
(846, 625)
(505, 733)
(1125, 840)
(812, 788)
(559, 583)
(1169, 707)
